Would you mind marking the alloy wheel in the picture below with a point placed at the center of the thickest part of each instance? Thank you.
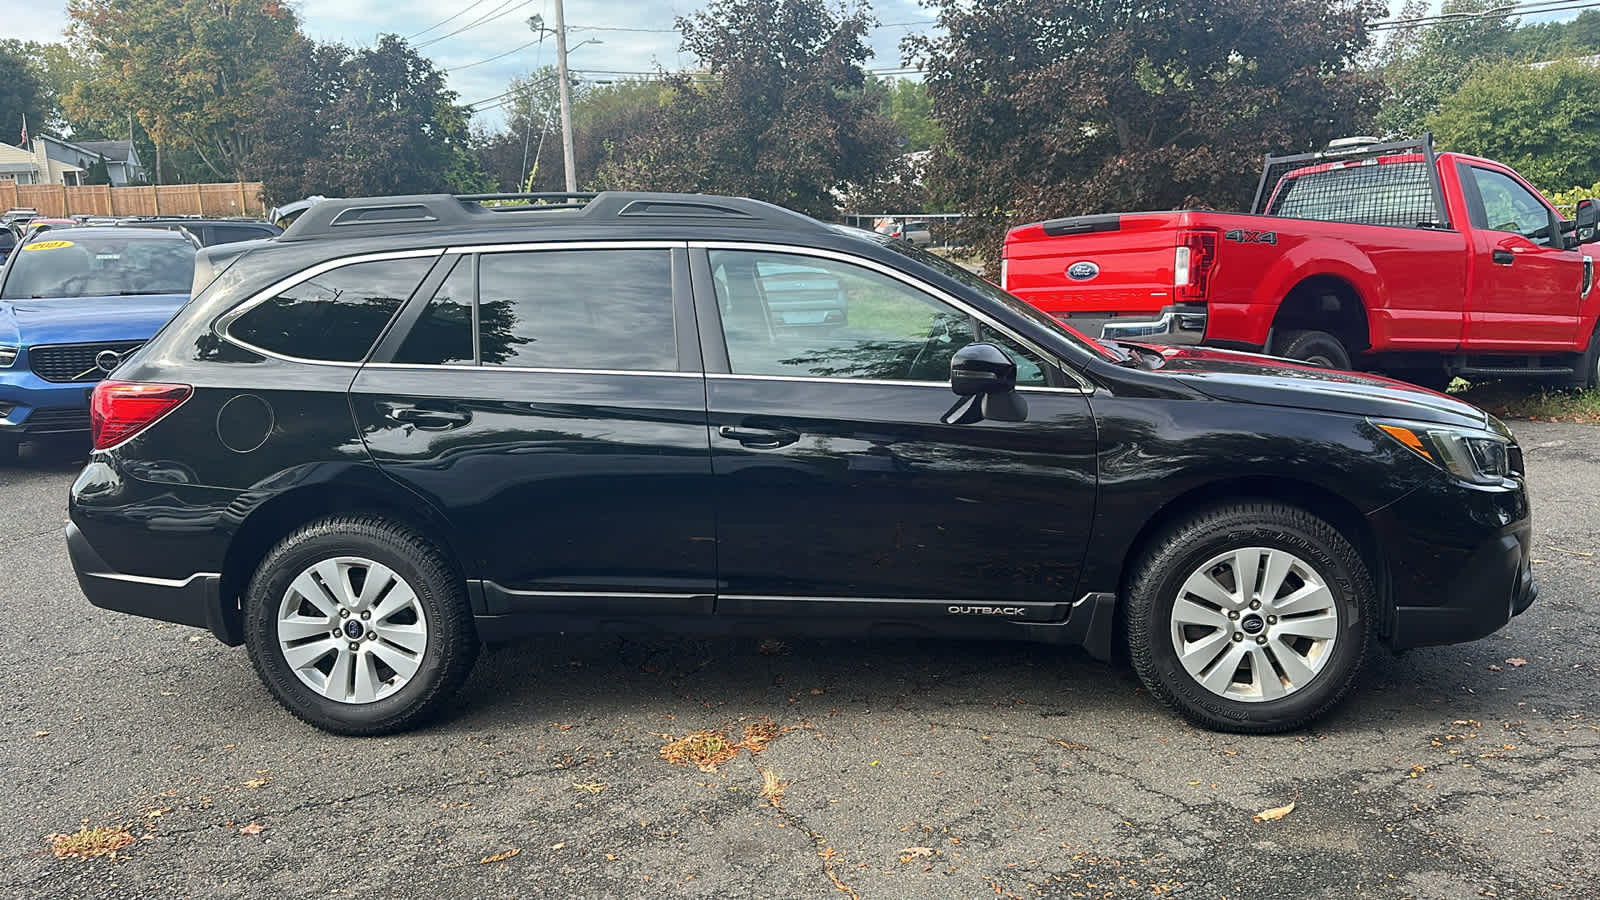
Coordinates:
(352, 629)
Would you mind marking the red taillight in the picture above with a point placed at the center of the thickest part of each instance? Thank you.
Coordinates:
(121, 409)
(1196, 257)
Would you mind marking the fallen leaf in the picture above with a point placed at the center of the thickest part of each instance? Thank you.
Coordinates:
(195, 639)
(253, 828)
(41, 734)
(910, 853)
(499, 857)
(816, 692)
(1494, 668)
(1517, 662)
(593, 787)
(256, 782)
(1274, 814)
(558, 846)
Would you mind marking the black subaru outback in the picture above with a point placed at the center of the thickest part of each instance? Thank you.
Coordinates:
(412, 425)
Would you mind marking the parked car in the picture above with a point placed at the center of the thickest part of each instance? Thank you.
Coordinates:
(411, 425)
(914, 231)
(1368, 256)
(8, 242)
(72, 304)
(210, 231)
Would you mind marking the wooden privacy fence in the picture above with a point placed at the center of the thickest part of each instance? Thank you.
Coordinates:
(57, 201)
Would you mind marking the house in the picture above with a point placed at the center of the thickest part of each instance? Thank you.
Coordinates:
(122, 160)
(19, 165)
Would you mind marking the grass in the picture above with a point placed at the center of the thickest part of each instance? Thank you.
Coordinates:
(772, 787)
(91, 843)
(1519, 400)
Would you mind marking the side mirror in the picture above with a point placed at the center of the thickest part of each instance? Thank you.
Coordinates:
(1587, 220)
(982, 369)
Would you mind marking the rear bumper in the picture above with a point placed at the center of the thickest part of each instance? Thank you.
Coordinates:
(1175, 325)
(195, 600)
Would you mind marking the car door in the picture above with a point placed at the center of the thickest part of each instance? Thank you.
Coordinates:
(1526, 285)
(838, 485)
(550, 401)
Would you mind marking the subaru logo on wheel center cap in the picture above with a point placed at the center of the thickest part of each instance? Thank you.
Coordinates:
(1253, 624)
(353, 629)
(1082, 271)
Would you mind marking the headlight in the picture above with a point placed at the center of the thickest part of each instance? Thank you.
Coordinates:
(1473, 456)
(8, 355)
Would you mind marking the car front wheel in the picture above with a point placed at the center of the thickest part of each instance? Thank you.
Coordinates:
(1252, 617)
(359, 626)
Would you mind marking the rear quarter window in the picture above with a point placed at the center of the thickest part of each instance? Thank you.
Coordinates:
(333, 317)
(1399, 194)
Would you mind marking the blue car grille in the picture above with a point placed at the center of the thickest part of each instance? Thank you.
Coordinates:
(66, 363)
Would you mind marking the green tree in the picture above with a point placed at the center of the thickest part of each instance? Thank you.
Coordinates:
(1423, 64)
(194, 72)
(906, 104)
(1053, 109)
(779, 112)
(1544, 122)
(21, 94)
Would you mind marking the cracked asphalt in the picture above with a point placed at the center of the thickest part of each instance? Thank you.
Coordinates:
(912, 769)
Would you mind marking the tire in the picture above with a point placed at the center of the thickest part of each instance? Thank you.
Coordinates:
(1587, 375)
(427, 630)
(1204, 546)
(1318, 348)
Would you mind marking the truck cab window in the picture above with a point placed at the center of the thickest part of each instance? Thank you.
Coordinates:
(1505, 205)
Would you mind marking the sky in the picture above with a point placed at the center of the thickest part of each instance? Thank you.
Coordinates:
(632, 35)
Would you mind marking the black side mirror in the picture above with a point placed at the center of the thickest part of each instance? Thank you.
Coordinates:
(982, 369)
(1587, 220)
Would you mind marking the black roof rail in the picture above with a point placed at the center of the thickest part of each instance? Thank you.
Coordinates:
(422, 213)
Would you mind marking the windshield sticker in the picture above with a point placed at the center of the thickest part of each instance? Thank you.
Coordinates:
(108, 256)
(48, 245)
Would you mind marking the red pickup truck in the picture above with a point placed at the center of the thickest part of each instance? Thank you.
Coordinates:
(1369, 256)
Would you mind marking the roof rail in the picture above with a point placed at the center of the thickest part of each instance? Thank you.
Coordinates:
(421, 213)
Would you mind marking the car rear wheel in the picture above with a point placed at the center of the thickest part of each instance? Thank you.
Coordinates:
(1317, 348)
(1252, 617)
(359, 626)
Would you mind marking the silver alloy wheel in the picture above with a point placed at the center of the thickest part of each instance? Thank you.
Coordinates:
(352, 629)
(1254, 624)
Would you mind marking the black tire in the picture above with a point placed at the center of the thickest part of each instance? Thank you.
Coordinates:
(451, 641)
(1180, 550)
(1587, 375)
(1318, 348)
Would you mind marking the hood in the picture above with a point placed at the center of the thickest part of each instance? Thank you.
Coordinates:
(86, 319)
(1270, 381)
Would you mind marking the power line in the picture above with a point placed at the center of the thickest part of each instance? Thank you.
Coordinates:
(1499, 12)
(496, 13)
(495, 57)
(475, 3)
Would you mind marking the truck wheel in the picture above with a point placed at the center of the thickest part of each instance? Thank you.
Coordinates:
(1250, 617)
(1318, 348)
(359, 626)
(1587, 375)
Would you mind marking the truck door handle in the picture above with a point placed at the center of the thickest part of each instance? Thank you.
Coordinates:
(760, 438)
(425, 418)
(1504, 257)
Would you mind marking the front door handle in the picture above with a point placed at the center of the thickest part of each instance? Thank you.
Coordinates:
(1504, 257)
(425, 418)
(760, 438)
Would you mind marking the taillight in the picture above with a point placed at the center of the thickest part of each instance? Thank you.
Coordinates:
(1193, 262)
(121, 409)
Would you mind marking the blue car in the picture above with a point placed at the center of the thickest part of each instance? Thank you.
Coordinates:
(73, 302)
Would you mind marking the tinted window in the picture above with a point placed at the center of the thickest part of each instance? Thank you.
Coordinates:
(812, 317)
(1390, 193)
(69, 263)
(227, 234)
(335, 316)
(1505, 205)
(577, 309)
(442, 336)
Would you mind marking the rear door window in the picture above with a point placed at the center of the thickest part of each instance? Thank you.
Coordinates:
(577, 309)
(335, 316)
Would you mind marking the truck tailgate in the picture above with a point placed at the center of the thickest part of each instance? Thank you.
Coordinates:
(1115, 265)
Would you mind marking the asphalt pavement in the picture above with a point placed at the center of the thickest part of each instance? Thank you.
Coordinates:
(908, 769)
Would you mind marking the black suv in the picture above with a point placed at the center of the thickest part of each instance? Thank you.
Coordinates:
(411, 425)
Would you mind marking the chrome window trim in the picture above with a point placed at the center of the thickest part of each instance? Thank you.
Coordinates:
(435, 367)
(578, 245)
(222, 323)
(1084, 387)
(814, 379)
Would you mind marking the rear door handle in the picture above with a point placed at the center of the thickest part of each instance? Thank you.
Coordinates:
(1504, 257)
(425, 418)
(760, 438)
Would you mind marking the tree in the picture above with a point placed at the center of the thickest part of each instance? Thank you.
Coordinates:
(21, 94)
(195, 72)
(779, 112)
(349, 122)
(1544, 122)
(1053, 109)
(1423, 64)
(906, 104)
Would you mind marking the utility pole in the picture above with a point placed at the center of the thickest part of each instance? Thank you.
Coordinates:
(567, 150)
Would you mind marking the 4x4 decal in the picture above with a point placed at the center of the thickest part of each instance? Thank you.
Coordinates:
(1240, 236)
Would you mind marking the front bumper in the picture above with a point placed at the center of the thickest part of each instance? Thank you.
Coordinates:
(33, 407)
(1460, 563)
(1182, 325)
(195, 601)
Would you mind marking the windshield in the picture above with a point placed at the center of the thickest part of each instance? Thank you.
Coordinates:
(98, 265)
(994, 292)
